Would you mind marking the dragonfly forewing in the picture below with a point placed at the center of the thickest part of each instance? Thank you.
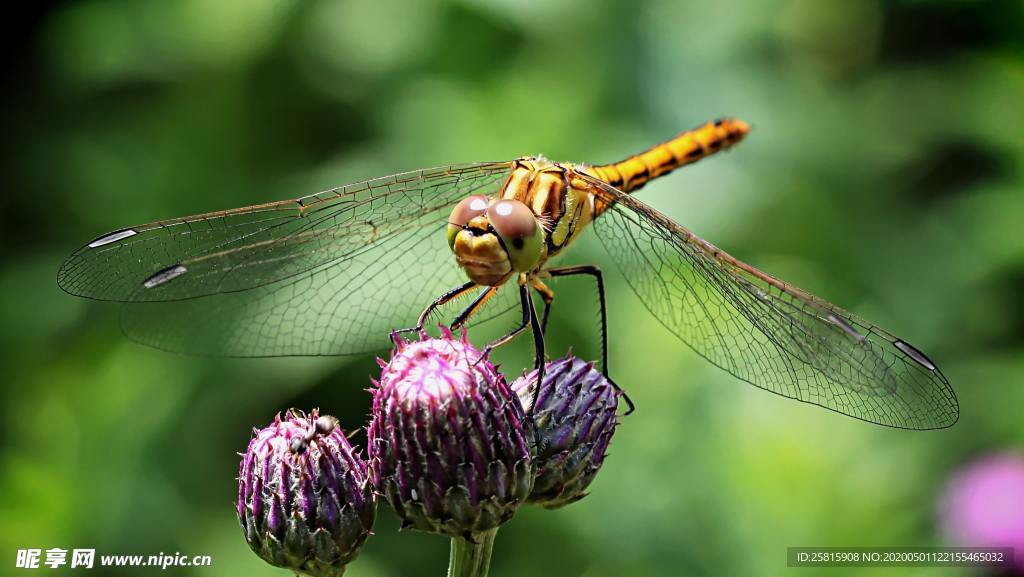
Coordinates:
(327, 274)
(241, 249)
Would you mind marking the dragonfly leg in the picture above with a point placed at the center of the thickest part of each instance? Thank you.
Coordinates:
(524, 297)
(473, 307)
(538, 349)
(529, 320)
(548, 296)
(439, 301)
(599, 277)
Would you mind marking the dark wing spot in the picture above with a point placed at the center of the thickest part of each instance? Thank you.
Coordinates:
(846, 327)
(112, 237)
(162, 276)
(915, 354)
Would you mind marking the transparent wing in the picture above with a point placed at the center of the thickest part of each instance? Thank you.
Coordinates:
(345, 307)
(328, 274)
(240, 249)
(766, 332)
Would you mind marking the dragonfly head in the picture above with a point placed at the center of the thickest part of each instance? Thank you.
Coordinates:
(493, 239)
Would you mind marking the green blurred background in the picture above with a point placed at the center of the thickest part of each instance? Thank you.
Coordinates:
(884, 173)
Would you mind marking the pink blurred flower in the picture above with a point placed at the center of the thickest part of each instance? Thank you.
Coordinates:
(984, 504)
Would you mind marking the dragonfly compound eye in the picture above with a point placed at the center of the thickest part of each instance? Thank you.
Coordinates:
(519, 230)
(467, 209)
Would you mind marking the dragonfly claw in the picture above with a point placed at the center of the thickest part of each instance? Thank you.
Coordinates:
(625, 396)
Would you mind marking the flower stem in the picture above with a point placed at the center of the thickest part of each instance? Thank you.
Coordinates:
(469, 559)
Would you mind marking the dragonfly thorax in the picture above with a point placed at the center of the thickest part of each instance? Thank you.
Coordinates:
(558, 194)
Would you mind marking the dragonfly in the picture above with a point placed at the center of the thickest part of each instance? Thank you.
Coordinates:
(334, 273)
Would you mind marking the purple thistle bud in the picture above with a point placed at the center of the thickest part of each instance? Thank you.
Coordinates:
(305, 501)
(575, 420)
(448, 448)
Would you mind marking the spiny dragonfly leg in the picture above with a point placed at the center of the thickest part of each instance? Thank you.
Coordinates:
(529, 320)
(599, 277)
(473, 307)
(439, 301)
(524, 296)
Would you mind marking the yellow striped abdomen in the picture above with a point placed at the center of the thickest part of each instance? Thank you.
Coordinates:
(690, 146)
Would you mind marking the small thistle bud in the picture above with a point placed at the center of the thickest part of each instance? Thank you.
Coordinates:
(448, 448)
(305, 501)
(575, 420)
